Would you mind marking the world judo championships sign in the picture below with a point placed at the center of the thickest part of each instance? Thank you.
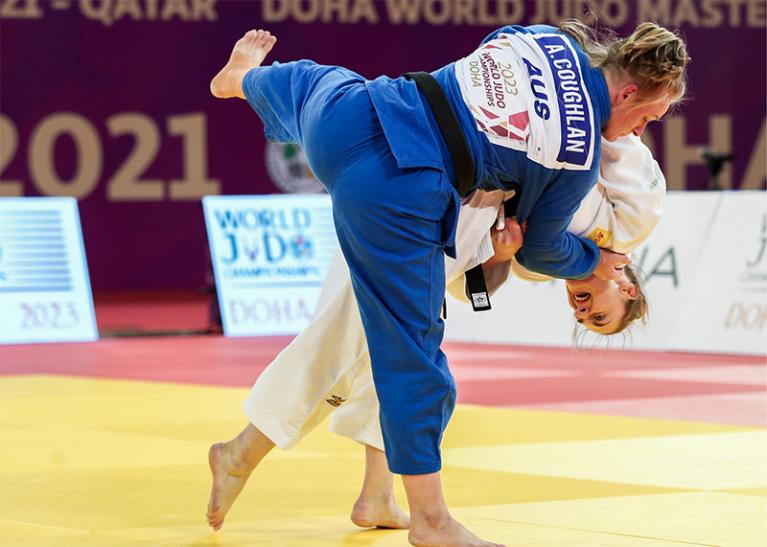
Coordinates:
(270, 257)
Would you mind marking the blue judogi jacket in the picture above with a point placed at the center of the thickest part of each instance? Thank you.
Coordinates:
(532, 109)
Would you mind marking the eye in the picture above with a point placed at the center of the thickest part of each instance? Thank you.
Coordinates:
(599, 317)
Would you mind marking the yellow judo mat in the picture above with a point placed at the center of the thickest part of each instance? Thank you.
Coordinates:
(111, 462)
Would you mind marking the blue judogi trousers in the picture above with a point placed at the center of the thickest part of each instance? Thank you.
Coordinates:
(393, 225)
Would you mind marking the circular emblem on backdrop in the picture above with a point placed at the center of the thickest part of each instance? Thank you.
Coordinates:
(287, 167)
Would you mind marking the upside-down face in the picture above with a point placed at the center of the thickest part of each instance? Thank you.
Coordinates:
(600, 305)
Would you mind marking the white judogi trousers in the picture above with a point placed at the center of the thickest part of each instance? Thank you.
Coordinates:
(326, 368)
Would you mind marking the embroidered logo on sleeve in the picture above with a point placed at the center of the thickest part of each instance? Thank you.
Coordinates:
(601, 237)
(526, 92)
(489, 82)
(335, 400)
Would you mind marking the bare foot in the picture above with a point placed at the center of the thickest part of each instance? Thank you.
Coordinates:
(249, 52)
(449, 533)
(228, 481)
(379, 513)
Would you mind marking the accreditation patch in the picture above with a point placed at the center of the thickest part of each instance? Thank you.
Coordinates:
(601, 237)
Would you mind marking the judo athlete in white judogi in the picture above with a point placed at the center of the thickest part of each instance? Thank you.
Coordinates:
(327, 366)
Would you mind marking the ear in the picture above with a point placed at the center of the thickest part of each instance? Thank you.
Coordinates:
(626, 92)
(629, 290)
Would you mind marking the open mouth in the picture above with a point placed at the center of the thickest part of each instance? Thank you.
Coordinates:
(581, 297)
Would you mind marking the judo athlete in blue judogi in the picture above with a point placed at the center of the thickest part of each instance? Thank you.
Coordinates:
(531, 109)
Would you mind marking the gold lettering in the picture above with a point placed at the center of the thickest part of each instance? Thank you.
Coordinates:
(654, 10)
(127, 7)
(746, 316)
(175, 8)
(12, 9)
(735, 12)
(540, 13)
(686, 13)
(590, 15)
(151, 9)
(559, 10)
(340, 7)
(403, 11)
(204, 10)
(434, 15)
(92, 9)
(308, 16)
(9, 137)
(273, 11)
(756, 172)
(463, 13)
(755, 13)
(712, 15)
(364, 9)
(620, 14)
(510, 11)
(483, 14)
(678, 155)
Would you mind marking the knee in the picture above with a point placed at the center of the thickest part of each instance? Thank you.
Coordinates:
(450, 390)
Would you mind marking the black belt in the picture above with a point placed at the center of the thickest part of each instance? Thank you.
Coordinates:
(463, 166)
(449, 128)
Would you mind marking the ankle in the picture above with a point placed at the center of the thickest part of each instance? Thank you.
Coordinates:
(238, 458)
(378, 495)
(434, 520)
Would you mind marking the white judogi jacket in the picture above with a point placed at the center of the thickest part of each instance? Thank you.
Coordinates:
(327, 366)
(619, 213)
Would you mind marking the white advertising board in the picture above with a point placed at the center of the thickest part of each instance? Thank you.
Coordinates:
(270, 258)
(45, 293)
(725, 307)
(522, 313)
(669, 261)
(705, 269)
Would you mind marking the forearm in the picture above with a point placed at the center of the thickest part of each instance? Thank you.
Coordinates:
(574, 258)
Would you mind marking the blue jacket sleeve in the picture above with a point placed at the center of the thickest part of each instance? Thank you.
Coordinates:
(548, 247)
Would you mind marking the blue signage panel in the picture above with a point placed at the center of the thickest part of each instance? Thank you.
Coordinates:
(45, 292)
(270, 257)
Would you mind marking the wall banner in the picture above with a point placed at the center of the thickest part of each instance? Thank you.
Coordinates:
(270, 256)
(45, 292)
(725, 306)
(132, 130)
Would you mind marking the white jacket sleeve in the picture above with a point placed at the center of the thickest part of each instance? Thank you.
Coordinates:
(625, 205)
(473, 243)
(633, 188)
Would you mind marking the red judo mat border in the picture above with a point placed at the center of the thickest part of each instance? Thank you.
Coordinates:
(485, 374)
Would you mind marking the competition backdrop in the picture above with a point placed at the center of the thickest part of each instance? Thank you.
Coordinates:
(107, 101)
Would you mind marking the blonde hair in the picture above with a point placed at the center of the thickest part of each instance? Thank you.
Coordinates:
(653, 57)
(637, 308)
